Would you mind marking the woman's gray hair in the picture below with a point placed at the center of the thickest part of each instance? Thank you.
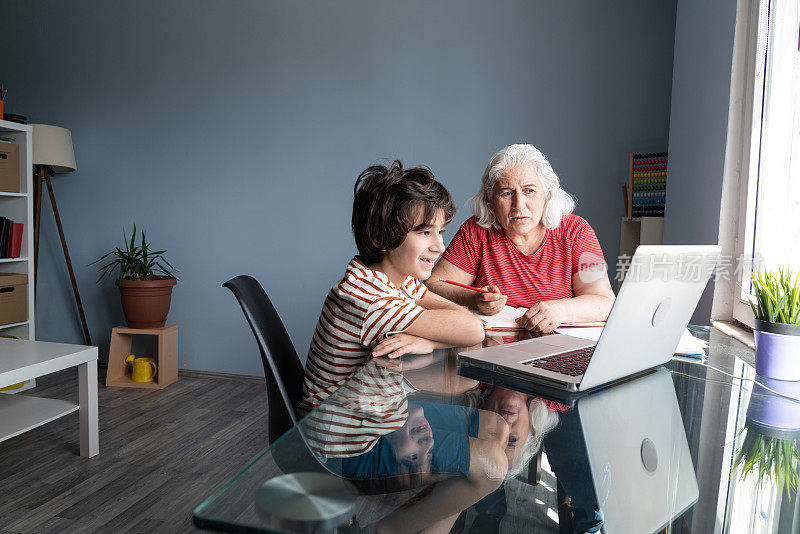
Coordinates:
(557, 201)
(543, 419)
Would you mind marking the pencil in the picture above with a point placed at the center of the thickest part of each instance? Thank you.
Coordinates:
(464, 286)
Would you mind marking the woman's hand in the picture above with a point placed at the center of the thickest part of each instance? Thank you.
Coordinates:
(396, 345)
(543, 317)
(489, 303)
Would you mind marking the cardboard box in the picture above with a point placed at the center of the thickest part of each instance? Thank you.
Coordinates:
(9, 167)
(13, 298)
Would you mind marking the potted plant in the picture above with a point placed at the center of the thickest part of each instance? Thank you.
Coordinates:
(777, 324)
(145, 281)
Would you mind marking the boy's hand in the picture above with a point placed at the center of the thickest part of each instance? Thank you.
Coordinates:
(395, 365)
(396, 345)
(490, 303)
(543, 317)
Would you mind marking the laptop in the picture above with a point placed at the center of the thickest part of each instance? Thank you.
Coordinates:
(637, 453)
(662, 286)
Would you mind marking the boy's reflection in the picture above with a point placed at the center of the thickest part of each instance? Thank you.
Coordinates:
(459, 448)
(413, 443)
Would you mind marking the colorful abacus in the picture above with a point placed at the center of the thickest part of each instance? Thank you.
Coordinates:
(645, 191)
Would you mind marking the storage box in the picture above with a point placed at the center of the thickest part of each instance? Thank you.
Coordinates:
(9, 167)
(13, 298)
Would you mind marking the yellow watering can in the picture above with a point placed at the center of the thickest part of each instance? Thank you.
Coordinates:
(144, 369)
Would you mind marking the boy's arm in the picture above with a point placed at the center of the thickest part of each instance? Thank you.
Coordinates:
(443, 324)
(434, 329)
(452, 327)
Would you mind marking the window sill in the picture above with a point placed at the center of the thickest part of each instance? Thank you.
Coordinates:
(737, 331)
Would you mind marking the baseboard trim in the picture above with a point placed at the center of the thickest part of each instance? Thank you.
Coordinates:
(103, 364)
(213, 374)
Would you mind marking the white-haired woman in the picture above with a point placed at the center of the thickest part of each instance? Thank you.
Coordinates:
(525, 247)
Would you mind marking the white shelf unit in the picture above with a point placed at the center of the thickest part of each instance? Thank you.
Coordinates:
(19, 208)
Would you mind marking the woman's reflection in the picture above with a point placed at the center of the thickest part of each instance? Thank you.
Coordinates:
(529, 419)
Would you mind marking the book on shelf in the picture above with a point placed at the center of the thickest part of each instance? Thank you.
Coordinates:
(10, 238)
(3, 236)
(15, 242)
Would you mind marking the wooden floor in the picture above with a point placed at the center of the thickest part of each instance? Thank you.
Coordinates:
(162, 452)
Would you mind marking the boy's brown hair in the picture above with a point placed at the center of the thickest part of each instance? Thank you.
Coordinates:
(387, 203)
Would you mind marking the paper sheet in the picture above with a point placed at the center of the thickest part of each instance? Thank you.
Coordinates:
(504, 319)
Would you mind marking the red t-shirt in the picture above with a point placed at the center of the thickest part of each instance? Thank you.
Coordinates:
(544, 275)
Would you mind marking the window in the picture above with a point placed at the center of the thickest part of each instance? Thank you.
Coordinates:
(768, 231)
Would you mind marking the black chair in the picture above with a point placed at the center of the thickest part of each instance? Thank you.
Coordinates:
(282, 368)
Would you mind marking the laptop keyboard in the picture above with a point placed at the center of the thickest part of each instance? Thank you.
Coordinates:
(569, 363)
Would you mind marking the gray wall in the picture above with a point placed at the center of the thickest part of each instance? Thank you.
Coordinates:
(233, 131)
(701, 81)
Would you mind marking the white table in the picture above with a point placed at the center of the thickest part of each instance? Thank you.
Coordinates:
(24, 359)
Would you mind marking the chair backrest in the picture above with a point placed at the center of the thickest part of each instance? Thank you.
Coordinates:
(282, 369)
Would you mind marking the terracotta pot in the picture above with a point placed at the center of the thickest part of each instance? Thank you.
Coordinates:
(145, 303)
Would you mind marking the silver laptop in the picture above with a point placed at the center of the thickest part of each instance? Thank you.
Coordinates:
(662, 286)
(638, 454)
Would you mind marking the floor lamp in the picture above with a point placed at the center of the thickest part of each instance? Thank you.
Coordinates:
(53, 153)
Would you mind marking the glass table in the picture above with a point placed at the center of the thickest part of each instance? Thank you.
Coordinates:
(412, 444)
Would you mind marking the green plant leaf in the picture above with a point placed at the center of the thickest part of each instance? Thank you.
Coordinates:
(133, 262)
(777, 295)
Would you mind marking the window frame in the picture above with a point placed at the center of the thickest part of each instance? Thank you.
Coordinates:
(737, 225)
(760, 17)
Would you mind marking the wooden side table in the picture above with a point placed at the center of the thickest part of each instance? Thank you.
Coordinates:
(167, 363)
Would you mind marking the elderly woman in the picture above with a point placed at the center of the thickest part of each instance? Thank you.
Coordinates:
(525, 247)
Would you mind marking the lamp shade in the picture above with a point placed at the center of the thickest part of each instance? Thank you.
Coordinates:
(52, 146)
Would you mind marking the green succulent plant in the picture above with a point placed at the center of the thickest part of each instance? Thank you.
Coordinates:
(777, 296)
(135, 262)
(770, 459)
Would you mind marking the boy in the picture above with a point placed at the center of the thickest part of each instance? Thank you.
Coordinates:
(381, 307)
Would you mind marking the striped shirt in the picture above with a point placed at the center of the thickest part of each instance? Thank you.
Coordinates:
(352, 419)
(493, 259)
(360, 311)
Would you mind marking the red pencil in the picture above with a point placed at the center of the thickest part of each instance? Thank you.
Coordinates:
(464, 286)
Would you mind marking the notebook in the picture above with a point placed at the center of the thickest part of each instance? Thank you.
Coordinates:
(506, 320)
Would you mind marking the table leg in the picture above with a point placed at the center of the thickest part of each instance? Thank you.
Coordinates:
(87, 394)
